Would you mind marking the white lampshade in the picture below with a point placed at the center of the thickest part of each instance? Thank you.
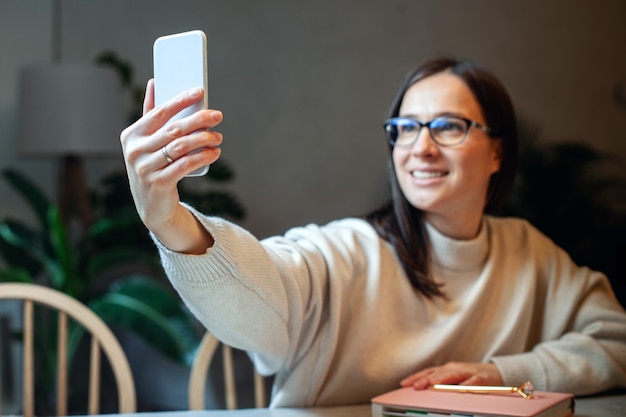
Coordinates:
(70, 109)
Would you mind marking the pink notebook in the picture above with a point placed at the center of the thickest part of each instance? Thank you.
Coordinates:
(413, 403)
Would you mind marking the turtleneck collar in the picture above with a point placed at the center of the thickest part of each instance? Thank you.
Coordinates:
(456, 254)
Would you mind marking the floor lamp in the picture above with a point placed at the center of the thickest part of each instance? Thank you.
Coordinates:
(71, 111)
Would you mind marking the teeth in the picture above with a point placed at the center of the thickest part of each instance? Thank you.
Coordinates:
(427, 174)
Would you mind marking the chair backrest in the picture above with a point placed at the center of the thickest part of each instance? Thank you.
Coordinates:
(102, 339)
(200, 369)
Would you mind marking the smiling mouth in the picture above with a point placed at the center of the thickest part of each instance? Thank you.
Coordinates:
(428, 174)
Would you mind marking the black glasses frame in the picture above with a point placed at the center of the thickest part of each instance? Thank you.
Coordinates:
(469, 122)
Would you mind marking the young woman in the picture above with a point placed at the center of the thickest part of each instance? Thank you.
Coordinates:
(429, 289)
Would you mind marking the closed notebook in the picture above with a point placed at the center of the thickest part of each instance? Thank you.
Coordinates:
(413, 403)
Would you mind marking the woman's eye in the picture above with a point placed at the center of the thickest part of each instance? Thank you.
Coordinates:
(448, 125)
(407, 128)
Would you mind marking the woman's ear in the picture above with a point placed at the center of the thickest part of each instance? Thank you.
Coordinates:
(496, 146)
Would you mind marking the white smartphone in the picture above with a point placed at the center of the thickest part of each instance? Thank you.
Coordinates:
(180, 63)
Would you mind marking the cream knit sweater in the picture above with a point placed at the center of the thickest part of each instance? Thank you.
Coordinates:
(331, 313)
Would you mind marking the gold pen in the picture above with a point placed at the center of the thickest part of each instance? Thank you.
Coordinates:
(526, 390)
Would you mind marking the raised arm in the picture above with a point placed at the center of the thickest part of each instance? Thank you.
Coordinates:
(157, 157)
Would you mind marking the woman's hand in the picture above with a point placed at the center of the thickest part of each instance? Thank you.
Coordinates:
(462, 373)
(157, 157)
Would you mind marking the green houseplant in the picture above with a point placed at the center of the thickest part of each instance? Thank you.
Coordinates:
(113, 267)
(576, 195)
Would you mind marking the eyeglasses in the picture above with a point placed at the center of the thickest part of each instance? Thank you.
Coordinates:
(444, 130)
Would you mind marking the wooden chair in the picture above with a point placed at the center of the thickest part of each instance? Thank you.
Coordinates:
(200, 369)
(101, 338)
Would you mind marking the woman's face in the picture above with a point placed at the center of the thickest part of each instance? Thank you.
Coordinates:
(449, 184)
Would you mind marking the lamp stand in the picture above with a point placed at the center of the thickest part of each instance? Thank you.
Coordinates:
(74, 203)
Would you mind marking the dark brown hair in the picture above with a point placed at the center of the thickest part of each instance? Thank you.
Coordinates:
(402, 224)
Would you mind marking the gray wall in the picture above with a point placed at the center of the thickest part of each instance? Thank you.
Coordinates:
(304, 86)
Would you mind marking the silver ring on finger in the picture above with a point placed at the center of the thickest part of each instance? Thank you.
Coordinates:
(166, 155)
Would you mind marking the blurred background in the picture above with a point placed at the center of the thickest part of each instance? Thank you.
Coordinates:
(305, 86)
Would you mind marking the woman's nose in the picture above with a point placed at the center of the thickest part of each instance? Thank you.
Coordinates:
(424, 145)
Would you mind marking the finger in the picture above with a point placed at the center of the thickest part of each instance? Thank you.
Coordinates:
(187, 145)
(447, 377)
(422, 375)
(155, 118)
(190, 162)
(476, 380)
(485, 374)
(148, 101)
(200, 121)
(450, 373)
(154, 135)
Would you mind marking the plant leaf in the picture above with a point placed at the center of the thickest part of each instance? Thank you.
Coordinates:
(122, 310)
(220, 171)
(215, 203)
(124, 69)
(66, 276)
(15, 239)
(28, 241)
(15, 275)
(36, 198)
(123, 227)
(153, 313)
(114, 223)
(105, 260)
(75, 333)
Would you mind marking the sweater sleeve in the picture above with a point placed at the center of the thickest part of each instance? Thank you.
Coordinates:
(243, 304)
(581, 331)
(265, 297)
